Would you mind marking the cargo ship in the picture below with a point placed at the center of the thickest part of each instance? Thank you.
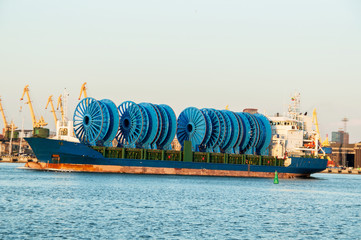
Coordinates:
(136, 139)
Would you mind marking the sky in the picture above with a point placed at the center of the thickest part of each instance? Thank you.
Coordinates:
(200, 53)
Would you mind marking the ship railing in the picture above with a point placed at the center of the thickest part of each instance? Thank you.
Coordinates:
(307, 156)
(200, 157)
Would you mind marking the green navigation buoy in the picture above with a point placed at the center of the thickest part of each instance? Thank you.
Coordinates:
(275, 180)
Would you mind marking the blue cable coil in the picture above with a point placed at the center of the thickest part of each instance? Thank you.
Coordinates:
(225, 131)
(95, 121)
(191, 126)
(265, 134)
(234, 133)
(246, 131)
(254, 134)
(215, 131)
(146, 125)
(131, 126)
(172, 128)
(153, 126)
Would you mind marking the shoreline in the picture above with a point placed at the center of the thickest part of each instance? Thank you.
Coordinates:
(14, 159)
(340, 171)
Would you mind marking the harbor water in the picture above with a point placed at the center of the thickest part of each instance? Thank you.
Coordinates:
(59, 205)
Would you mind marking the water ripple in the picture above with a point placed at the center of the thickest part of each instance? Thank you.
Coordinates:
(47, 205)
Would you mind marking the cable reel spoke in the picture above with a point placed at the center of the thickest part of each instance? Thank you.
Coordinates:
(265, 132)
(130, 119)
(215, 129)
(233, 134)
(191, 126)
(92, 121)
(152, 126)
(222, 128)
(208, 127)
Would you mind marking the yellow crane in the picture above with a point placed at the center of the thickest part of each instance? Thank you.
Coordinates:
(7, 127)
(83, 90)
(36, 124)
(325, 143)
(3, 115)
(315, 121)
(50, 100)
(60, 104)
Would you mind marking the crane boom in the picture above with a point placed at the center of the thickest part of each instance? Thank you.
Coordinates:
(3, 115)
(50, 100)
(60, 103)
(83, 90)
(7, 126)
(315, 121)
(41, 122)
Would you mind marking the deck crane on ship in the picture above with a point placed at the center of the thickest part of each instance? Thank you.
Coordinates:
(38, 125)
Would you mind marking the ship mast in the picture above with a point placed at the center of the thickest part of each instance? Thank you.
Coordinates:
(294, 107)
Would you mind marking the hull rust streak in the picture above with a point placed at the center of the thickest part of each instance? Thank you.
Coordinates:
(155, 170)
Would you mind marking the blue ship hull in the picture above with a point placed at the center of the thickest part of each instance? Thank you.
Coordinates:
(63, 155)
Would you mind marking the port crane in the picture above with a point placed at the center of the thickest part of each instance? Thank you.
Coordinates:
(50, 100)
(36, 124)
(322, 144)
(60, 104)
(83, 90)
(315, 121)
(325, 143)
(7, 127)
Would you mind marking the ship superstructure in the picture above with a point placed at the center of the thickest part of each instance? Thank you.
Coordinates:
(293, 134)
(64, 127)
